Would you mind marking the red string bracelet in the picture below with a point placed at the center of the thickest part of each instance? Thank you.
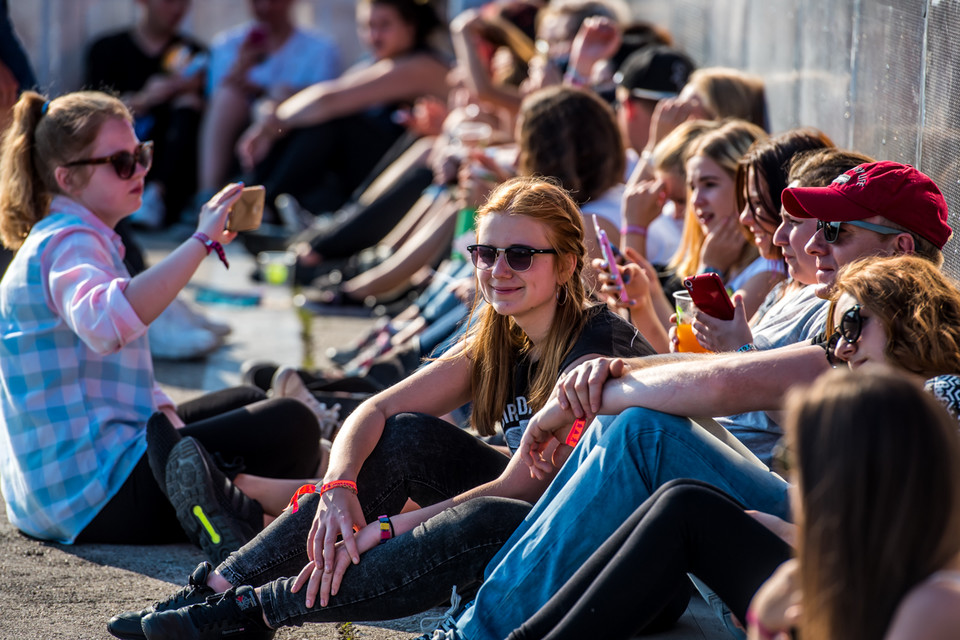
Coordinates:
(212, 245)
(576, 431)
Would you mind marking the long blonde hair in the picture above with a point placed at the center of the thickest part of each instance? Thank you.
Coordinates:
(45, 135)
(497, 343)
(879, 487)
(725, 145)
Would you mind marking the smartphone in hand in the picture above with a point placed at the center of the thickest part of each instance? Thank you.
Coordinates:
(247, 212)
(610, 258)
(709, 295)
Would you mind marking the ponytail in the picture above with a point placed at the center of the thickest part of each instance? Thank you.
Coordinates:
(42, 136)
(24, 198)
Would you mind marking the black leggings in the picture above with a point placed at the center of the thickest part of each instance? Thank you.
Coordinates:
(685, 527)
(323, 164)
(275, 438)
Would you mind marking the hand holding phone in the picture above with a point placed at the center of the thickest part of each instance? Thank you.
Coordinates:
(247, 212)
(709, 295)
(610, 258)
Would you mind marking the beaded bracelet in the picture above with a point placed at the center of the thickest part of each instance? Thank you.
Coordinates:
(212, 245)
(339, 484)
(633, 229)
(386, 528)
(576, 431)
(754, 621)
(747, 347)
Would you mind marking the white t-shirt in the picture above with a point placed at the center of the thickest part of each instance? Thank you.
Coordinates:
(306, 58)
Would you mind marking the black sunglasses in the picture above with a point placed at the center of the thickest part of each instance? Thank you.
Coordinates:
(850, 327)
(124, 162)
(519, 258)
(831, 230)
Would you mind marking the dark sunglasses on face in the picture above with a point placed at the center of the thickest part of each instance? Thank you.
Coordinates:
(124, 162)
(519, 258)
(831, 230)
(850, 327)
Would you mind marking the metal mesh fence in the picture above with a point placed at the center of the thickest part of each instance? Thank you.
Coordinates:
(878, 76)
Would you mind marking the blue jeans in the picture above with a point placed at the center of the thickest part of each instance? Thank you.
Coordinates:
(619, 463)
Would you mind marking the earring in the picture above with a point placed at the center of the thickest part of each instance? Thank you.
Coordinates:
(565, 295)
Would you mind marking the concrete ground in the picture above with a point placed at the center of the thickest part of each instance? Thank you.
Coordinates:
(57, 591)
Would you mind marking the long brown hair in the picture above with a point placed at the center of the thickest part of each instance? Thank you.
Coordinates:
(571, 135)
(43, 136)
(918, 306)
(879, 487)
(497, 343)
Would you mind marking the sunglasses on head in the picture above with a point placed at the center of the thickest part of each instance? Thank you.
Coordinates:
(124, 162)
(519, 258)
(831, 230)
(850, 327)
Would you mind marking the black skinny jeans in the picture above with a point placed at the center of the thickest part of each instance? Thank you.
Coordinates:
(686, 526)
(275, 438)
(418, 457)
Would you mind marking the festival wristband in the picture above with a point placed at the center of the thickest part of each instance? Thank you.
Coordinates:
(633, 229)
(386, 529)
(754, 621)
(305, 489)
(339, 484)
(575, 432)
(212, 245)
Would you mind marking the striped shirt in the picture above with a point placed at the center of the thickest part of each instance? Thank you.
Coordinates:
(76, 378)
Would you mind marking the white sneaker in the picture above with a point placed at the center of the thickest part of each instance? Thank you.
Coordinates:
(189, 315)
(151, 213)
(173, 339)
(287, 383)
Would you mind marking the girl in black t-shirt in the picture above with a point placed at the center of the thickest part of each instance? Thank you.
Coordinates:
(529, 256)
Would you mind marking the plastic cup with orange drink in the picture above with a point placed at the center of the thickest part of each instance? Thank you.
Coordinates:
(685, 308)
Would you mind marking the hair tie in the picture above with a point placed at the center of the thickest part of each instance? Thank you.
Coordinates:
(44, 108)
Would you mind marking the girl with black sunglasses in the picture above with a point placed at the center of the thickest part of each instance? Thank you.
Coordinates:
(77, 387)
(535, 324)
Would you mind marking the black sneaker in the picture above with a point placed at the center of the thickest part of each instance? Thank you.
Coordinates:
(127, 624)
(234, 614)
(162, 436)
(215, 514)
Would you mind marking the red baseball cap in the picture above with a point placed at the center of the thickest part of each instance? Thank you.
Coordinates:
(894, 191)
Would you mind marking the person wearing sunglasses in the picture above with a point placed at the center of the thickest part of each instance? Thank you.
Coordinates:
(646, 433)
(838, 432)
(78, 398)
(532, 322)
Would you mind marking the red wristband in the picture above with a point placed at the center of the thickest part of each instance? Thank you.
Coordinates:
(212, 245)
(754, 621)
(575, 432)
(305, 489)
(339, 484)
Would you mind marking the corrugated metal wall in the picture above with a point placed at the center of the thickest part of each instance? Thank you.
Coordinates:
(879, 76)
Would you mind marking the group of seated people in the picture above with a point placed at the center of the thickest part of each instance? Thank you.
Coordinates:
(537, 445)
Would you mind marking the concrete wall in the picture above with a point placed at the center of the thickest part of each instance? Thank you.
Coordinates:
(57, 32)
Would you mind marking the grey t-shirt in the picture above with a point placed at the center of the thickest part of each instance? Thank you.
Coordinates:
(796, 317)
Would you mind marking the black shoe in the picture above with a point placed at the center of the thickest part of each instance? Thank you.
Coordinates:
(234, 614)
(215, 514)
(127, 624)
(162, 437)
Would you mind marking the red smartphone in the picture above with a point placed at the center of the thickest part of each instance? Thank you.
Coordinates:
(710, 296)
